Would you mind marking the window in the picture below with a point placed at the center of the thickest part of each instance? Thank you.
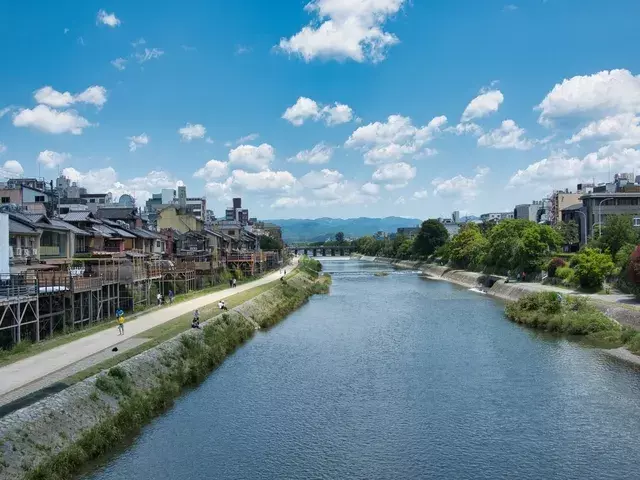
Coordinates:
(39, 198)
(101, 200)
(92, 200)
(232, 232)
(636, 221)
(158, 244)
(6, 200)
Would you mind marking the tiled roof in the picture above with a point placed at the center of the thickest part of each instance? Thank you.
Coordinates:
(59, 223)
(143, 233)
(16, 226)
(123, 233)
(77, 217)
(103, 230)
(116, 213)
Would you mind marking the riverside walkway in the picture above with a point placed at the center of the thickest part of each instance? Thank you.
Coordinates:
(32, 369)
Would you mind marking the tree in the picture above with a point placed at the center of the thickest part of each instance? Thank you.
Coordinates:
(592, 267)
(569, 232)
(404, 249)
(269, 243)
(432, 235)
(467, 248)
(340, 238)
(503, 244)
(617, 231)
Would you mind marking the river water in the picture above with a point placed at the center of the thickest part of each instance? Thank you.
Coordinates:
(397, 377)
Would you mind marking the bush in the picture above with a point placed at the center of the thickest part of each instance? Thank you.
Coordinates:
(592, 267)
(566, 273)
(554, 265)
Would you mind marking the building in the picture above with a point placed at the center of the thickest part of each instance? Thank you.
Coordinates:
(237, 213)
(598, 206)
(496, 217)
(560, 200)
(171, 218)
(29, 199)
(528, 211)
(196, 206)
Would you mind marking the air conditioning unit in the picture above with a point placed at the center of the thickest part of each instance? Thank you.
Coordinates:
(26, 252)
(34, 252)
(11, 252)
(18, 252)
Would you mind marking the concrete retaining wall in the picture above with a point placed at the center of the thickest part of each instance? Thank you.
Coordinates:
(37, 433)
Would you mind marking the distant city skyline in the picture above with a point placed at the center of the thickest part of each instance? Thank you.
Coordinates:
(336, 109)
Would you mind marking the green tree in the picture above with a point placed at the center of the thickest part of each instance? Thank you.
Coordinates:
(467, 248)
(404, 249)
(569, 232)
(340, 238)
(269, 243)
(616, 232)
(503, 244)
(592, 267)
(432, 235)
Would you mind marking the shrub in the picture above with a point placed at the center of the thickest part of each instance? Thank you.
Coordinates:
(565, 273)
(592, 267)
(554, 264)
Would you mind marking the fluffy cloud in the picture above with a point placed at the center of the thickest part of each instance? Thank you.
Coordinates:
(292, 202)
(343, 193)
(219, 190)
(138, 42)
(11, 168)
(149, 54)
(212, 169)
(390, 141)
(137, 141)
(119, 63)
(106, 180)
(400, 201)
(307, 109)
(396, 175)
(484, 104)
(465, 188)
(509, 135)
(608, 92)
(623, 129)
(257, 158)
(51, 121)
(189, 132)
(370, 188)
(52, 159)
(466, 129)
(262, 181)
(560, 169)
(315, 179)
(94, 95)
(345, 30)
(420, 194)
(319, 154)
(108, 19)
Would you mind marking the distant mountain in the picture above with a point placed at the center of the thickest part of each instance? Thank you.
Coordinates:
(321, 229)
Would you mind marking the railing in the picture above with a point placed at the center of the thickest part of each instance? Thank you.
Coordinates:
(49, 250)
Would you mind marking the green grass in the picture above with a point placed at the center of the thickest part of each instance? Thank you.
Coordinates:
(168, 330)
(27, 349)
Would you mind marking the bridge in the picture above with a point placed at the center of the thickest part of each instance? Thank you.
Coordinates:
(321, 250)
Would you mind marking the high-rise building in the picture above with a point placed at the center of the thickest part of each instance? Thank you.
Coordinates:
(182, 196)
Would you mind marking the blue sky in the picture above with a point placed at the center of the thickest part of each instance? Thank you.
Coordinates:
(343, 108)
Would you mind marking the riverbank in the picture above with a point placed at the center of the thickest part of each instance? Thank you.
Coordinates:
(56, 436)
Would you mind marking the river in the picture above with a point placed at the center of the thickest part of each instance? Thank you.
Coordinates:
(397, 377)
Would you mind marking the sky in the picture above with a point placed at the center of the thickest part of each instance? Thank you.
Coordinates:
(337, 108)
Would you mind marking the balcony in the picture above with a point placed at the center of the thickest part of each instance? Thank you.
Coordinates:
(49, 251)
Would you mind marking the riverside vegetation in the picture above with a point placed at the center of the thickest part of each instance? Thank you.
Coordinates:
(129, 398)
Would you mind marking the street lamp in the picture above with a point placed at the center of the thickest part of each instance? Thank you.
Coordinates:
(600, 215)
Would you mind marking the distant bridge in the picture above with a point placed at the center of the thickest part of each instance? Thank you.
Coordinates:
(321, 251)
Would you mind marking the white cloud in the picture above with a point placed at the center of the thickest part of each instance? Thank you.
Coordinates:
(319, 154)
(212, 169)
(343, 193)
(337, 114)
(5, 110)
(138, 42)
(466, 129)
(622, 129)
(396, 174)
(511, 7)
(400, 201)
(108, 19)
(484, 104)
(52, 159)
(247, 138)
(242, 49)
(189, 131)
(208, 140)
(315, 179)
(94, 95)
(420, 194)
(220, 190)
(397, 137)
(350, 29)
(257, 158)
(11, 168)
(560, 169)
(608, 92)
(138, 141)
(292, 202)
(149, 54)
(307, 109)
(66, 30)
(119, 63)
(465, 188)
(106, 180)
(371, 188)
(509, 135)
(51, 121)
(262, 181)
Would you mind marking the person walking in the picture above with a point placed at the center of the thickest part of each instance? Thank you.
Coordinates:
(120, 320)
(234, 282)
(231, 283)
(195, 323)
(170, 297)
(159, 297)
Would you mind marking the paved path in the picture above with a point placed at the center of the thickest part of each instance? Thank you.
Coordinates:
(31, 369)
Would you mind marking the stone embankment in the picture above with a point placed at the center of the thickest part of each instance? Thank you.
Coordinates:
(54, 437)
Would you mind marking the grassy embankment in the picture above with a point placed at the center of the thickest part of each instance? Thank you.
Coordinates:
(27, 348)
(570, 315)
(199, 354)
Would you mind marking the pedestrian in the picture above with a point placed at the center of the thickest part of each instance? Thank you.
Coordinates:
(285, 272)
(159, 297)
(195, 323)
(120, 319)
(524, 276)
(231, 283)
(234, 282)
(170, 297)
